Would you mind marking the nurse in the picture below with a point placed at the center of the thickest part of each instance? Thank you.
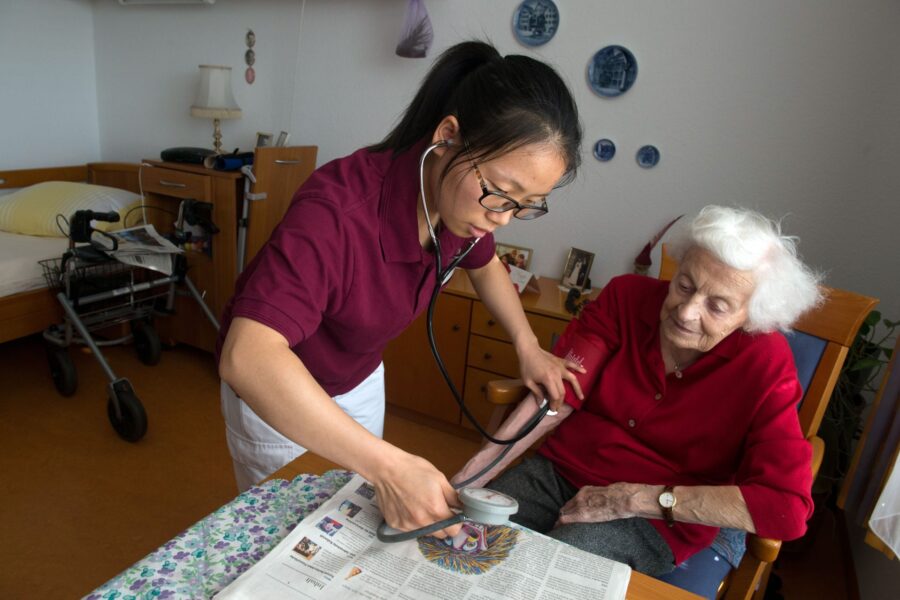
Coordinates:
(352, 264)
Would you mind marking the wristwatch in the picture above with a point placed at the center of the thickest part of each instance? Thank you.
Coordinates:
(667, 502)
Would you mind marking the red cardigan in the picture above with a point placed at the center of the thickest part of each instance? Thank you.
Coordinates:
(731, 419)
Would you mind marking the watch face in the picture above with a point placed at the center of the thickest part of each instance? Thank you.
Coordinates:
(667, 499)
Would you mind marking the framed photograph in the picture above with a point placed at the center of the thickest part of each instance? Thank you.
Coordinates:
(514, 255)
(263, 139)
(282, 138)
(577, 270)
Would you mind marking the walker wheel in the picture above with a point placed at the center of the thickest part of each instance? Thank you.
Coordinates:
(146, 342)
(132, 426)
(62, 371)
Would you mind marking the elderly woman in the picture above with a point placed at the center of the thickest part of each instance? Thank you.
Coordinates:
(689, 418)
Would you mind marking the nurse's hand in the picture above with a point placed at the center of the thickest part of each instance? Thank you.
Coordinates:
(544, 374)
(412, 493)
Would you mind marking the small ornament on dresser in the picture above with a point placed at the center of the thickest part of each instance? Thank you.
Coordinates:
(643, 261)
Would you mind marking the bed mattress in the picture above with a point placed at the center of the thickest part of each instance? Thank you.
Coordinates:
(19, 256)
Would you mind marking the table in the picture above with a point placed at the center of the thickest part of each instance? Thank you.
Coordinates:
(206, 557)
(640, 587)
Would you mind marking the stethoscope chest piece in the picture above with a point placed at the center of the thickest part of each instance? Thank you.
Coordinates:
(487, 506)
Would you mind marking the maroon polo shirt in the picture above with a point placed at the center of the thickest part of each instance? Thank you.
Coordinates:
(731, 419)
(344, 273)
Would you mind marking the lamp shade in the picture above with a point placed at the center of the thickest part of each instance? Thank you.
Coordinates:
(214, 97)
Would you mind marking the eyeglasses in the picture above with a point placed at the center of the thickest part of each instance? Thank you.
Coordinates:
(499, 202)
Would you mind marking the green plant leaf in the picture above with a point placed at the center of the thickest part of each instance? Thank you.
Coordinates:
(865, 363)
(873, 318)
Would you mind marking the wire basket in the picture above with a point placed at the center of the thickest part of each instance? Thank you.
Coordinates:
(108, 286)
(80, 277)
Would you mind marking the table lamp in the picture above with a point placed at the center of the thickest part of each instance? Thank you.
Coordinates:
(215, 100)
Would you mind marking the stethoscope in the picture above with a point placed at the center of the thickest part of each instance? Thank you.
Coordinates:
(480, 505)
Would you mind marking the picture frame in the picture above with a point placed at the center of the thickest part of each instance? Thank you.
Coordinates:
(263, 139)
(516, 256)
(282, 139)
(576, 273)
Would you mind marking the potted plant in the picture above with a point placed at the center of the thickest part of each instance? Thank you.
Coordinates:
(857, 383)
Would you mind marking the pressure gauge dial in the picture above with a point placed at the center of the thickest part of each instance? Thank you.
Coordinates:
(487, 506)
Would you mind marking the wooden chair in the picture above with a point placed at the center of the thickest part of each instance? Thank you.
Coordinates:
(820, 341)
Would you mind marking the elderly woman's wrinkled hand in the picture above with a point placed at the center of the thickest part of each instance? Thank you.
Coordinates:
(599, 504)
(544, 374)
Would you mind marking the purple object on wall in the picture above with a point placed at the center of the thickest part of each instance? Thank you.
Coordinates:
(415, 42)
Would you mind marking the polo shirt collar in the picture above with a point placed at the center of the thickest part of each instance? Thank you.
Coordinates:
(649, 314)
(398, 221)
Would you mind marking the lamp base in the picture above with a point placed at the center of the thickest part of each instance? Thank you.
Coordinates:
(217, 137)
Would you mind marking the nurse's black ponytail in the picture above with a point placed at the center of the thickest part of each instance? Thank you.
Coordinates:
(501, 103)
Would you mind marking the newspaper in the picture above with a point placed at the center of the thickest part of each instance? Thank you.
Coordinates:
(334, 553)
(144, 247)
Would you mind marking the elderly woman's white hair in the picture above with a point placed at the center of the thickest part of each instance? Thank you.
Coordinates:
(745, 240)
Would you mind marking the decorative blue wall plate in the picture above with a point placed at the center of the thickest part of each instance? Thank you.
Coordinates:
(647, 156)
(604, 150)
(612, 71)
(535, 22)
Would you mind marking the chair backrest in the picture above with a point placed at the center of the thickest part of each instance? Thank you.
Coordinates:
(826, 333)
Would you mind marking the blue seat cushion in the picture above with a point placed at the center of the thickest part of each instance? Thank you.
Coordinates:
(701, 574)
(807, 350)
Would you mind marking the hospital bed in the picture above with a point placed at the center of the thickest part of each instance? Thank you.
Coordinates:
(26, 305)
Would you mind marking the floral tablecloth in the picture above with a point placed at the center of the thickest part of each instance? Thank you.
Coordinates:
(209, 555)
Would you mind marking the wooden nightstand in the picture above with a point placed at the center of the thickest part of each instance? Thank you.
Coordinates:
(278, 171)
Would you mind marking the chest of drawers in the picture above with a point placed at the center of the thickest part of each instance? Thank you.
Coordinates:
(474, 347)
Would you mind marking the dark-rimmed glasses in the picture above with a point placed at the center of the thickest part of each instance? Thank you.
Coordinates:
(498, 202)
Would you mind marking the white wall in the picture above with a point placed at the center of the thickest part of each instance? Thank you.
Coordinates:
(147, 59)
(790, 108)
(48, 91)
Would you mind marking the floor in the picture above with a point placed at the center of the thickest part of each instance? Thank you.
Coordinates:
(79, 504)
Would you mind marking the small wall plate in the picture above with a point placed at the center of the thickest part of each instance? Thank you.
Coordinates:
(647, 156)
(612, 71)
(535, 22)
(604, 150)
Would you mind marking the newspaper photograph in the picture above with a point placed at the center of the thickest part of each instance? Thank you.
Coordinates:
(334, 553)
(144, 247)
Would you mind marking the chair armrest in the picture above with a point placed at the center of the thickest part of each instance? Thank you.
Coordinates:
(818, 448)
(763, 549)
(753, 572)
(506, 391)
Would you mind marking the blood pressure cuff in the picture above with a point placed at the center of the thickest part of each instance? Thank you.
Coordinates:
(589, 350)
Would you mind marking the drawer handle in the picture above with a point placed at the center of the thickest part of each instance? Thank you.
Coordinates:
(279, 161)
(2, 181)
(456, 328)
(491, 322)
(483, 389)
(172, 184)
(488, 356)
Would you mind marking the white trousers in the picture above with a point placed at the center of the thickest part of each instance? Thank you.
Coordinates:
(257, 450)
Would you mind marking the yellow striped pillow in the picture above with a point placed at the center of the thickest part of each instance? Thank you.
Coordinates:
(32, 210)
